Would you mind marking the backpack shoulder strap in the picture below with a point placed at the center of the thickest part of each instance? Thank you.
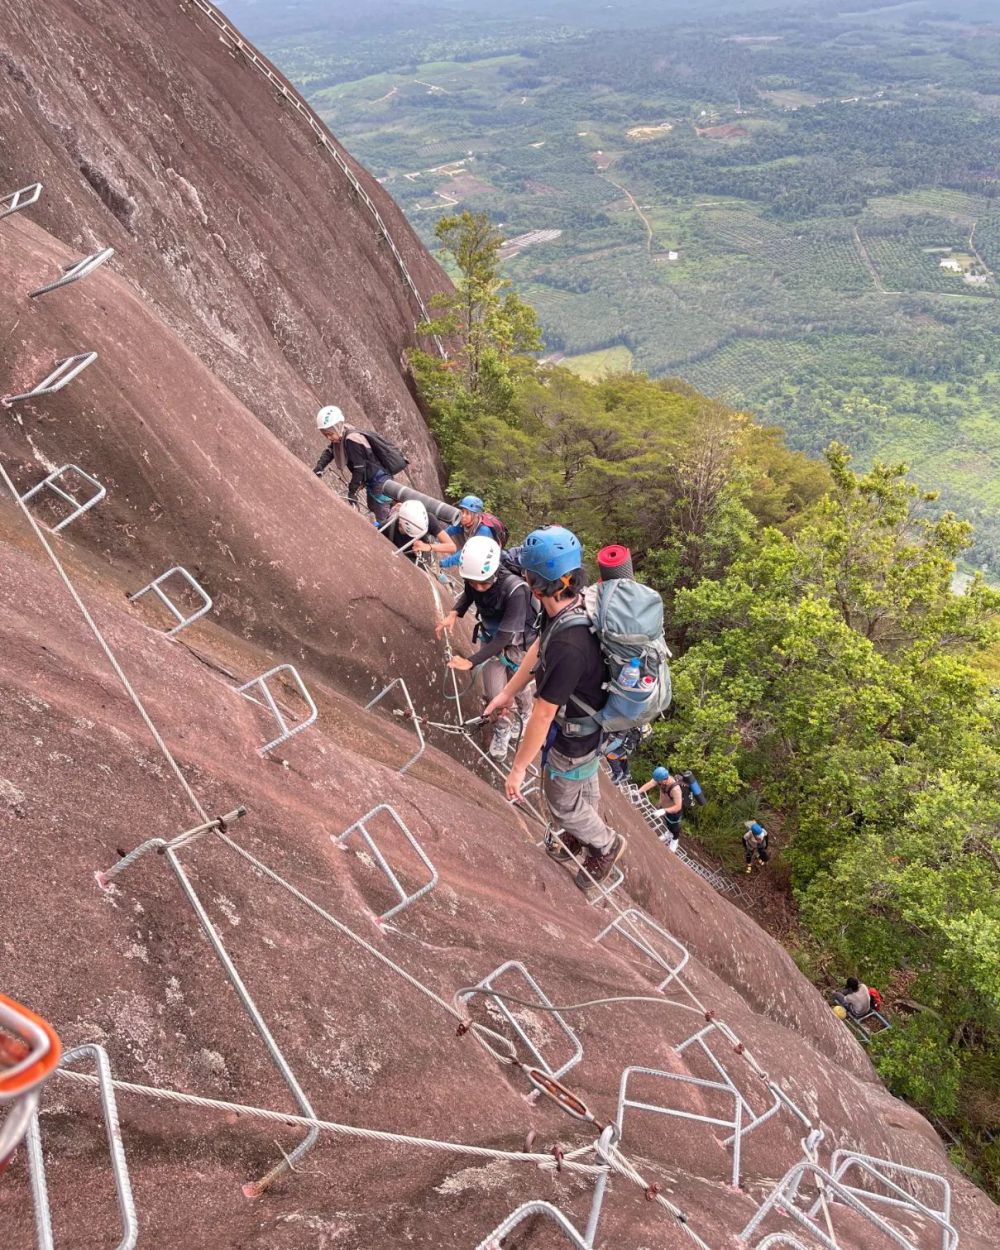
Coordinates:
(577, 615)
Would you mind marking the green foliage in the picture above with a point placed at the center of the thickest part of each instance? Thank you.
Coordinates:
(919, 1064)
(491, 323)
(833, 672)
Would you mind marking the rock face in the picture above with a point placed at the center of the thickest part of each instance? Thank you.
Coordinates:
(248, 287)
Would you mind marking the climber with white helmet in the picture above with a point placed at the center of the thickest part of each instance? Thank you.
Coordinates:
(671, 804)
(409, 524)
(471, 523)
(567, 664)
(363, 454)
(506, 628)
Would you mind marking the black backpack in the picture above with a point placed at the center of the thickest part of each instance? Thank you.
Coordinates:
(388, 454)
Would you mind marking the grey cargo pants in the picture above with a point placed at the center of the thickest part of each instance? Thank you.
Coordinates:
(495, 675)
(573, 804)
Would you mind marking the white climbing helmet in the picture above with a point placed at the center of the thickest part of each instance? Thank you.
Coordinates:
(480, 559)
(413, 519)
(329, 417)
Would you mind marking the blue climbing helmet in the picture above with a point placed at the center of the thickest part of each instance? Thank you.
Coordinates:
(660, 774)
(551, 552)
(756, 830)
(472, 503)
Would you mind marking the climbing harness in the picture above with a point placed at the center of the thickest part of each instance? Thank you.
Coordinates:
(29, 1054)
(583, 772)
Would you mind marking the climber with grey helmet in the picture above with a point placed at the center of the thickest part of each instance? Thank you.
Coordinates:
(470, 524)
(505, 629)
(410, 523)
(567, 664)
(671, 804)
(353, 451)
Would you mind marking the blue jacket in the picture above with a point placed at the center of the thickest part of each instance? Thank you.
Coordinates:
(461, 537)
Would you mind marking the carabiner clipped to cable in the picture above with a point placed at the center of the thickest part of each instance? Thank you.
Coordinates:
(29, 1054)
(570, 1102)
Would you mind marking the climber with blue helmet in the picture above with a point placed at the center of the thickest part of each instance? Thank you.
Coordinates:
(506, 628)
(568, 665)
(671, 804)
(755, 840)
(469, 525)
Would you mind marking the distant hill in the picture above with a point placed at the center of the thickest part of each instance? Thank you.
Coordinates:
(794, 209)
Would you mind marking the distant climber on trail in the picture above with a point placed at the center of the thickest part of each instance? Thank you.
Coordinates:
(408, 525)
(371, 460)
(671, 804)
(854, 998)
(570, 672)
(506, 629)
(617, 747)
(755, 840)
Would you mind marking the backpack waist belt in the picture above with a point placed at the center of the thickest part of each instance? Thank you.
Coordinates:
(582, 773)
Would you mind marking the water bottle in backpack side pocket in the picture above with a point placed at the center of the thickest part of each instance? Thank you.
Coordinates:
(631, 674)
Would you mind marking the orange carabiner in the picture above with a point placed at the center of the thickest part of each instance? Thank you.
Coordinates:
(27, 1059)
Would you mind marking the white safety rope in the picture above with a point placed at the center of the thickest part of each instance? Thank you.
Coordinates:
(339, 1129)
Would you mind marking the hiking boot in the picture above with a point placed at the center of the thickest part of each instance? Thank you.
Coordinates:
(749, 869)
(500, 742)
(565, 849)
(598, 864)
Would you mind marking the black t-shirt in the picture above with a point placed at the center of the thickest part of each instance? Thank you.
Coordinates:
(399, 538)
(574, 665)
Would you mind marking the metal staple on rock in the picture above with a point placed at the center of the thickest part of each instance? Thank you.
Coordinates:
(105, 647)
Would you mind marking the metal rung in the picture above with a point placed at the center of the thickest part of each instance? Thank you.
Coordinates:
(751, 1119)
(726, 1089)
(74, 272)
(780, 1239)
(17, 200)
(607, 887)
(513, 965)
(629, 924)
(79, 508)
(405, 899)
(64, 373)
(287, 730)
(182, 620)
(782, 1199)
(880, 1172)
(413, 718)
(547, 1211)
(119, 1166)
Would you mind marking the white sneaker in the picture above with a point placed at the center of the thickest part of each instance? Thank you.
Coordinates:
(675, 844)
(500, 741)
